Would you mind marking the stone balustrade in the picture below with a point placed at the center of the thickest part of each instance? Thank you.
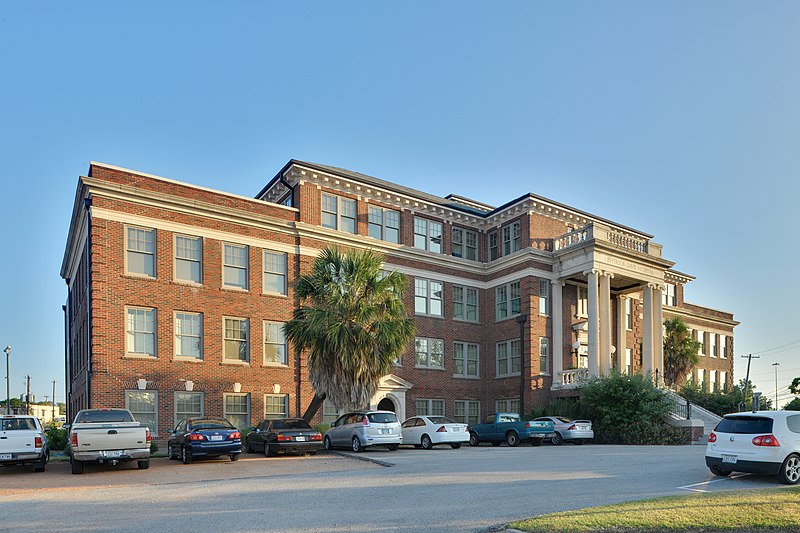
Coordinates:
(573, 378)
(603, 232)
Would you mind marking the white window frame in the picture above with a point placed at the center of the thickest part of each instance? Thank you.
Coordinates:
(628, 314)
(145, 252)
(129, 350)
(504, 351)
(280, 275)
(284, 398)
(272, 342)
(668, 295)
(464, 303)
(712, 380)
(246, 268)
(723, 343)
(491, 238)
(178, 259)
(226, 414)
(225, 338)
(429, 404)
(628, 360)
(544, 297)
(467, 407)
(154, 393)
(341, 202)
(461, 238)
(511, 238)
(178, 335)
(712, 344)
(428, 353)
(544, 355)
(200, 413)
(723, 380)
(507, 289)
(428, 296)
(510, 405)
(701, 378)
(374, 212)
(429, 242)
(461, 357)
(701, 338)
(582, 305)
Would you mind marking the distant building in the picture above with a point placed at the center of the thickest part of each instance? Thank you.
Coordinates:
(177, 294)
(45, 412)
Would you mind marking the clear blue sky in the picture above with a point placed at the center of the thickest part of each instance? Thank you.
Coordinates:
(681, 119)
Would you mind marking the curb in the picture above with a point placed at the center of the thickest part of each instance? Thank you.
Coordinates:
(361, 457)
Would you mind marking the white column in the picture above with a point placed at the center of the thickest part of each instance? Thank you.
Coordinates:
(593, 325)
(558, 331)
(647, 334)
(605, 323)
(622, 333)
(658, 336)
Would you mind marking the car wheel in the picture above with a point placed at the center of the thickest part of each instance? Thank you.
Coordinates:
(717, 471)
(143, 465)
(556, 439)
(357, 446)
(312, 453)
(496, 444)
(249, 447)
(171, 453)
(39, 467)
(473, 439)
(456, 445)
(512, 439)
(234, 456)
(186, 456)
(426, 443)
(790, 470)
(392, 447)
(327, 443)
(77, 466)
(536, 442)
(269, 451)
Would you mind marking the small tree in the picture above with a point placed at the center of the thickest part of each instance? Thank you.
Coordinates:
(680, 351)
(794, 405)
(794, 388)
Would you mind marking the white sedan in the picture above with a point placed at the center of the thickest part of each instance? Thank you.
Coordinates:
(427, 431)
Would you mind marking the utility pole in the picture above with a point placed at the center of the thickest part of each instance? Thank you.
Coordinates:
(54, 401)
(747, 380)
(28, 395)
(776, 365)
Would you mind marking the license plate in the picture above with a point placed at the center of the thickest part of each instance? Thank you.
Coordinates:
(112, 453)
(729, 459)
(385, 431)
(300, 439)
(215, 437)
(5, 456)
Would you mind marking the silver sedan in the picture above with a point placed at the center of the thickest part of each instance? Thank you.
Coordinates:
(569, 430)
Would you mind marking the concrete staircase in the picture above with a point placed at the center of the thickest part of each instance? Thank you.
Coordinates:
(697, 416)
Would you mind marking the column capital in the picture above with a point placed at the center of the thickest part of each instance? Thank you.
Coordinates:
(558, 282)
(594, 271)
(610, 275)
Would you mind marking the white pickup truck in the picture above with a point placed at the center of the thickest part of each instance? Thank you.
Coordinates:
(22, 441)
(108, 436)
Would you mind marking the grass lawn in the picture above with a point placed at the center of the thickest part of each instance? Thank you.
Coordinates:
(762, 510)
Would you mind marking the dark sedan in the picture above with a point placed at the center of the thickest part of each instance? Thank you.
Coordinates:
(283, 435)
(196, 438)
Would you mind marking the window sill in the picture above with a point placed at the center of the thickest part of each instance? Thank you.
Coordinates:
(439, 317)
(474, 378)
(544, 315)
(275, 294)
(466, 321)
(544, 374)
(506, 376)
(184, 359)
(235, 363)
(142, 357)
(498, 320)
(437, 368)
(274, 365)
(233, 289)
(187, 283)
(139, 277)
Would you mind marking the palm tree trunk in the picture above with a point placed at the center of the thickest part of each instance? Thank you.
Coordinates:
(313, 407)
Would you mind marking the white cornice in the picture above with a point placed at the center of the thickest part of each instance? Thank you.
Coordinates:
(690, 316)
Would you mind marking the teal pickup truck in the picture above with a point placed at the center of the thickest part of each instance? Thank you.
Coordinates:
(508, 427)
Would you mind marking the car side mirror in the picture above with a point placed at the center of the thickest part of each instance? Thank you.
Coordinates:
(333, 424)
(67, 426)
(253, 429)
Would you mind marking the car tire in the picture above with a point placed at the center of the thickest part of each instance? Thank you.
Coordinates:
(39, 467)
(426, 443)
(357, 446)
(186, 456)
(536, 441)
(392, 447)
(556, 439)
(171, 453)
(790, 470)
(456, 445)
(269, 451)
(496, 443)
(512, 439)
(473, 440)
(143, 465)
(234, 456)
(77, 466)
(717, 471)
(249, 447)
(312, 453)
(327, 444)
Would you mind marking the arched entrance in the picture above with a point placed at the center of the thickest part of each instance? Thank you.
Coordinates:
(387, 404)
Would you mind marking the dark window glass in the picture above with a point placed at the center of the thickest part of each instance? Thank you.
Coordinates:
(382, 418)
(794, 423)
(211, 423)
(745, 425)
(290, 423)
(17, 424)
(112, 415)
(441, 420)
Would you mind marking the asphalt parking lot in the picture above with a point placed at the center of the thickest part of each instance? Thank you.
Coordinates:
(470, 489)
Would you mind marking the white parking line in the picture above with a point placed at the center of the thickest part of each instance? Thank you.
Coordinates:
(690, 487)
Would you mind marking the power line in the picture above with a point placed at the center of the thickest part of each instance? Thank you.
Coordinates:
(783, 346)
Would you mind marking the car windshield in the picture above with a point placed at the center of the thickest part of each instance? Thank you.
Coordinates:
(15, 424)
(211, 423)
(745, 425)
(382, 418)
(290, 423)
(111, 415)
(441, 420)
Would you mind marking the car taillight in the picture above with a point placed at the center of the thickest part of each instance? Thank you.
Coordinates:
(196, 436)
(527, 425)
(74, 439)
(283, 438)
(572, 428)
(316, 436)
(235, 435)
(38, 442)
(441, 430)
(765, 440)
(147, 437)
(712, 437)
(366, 421)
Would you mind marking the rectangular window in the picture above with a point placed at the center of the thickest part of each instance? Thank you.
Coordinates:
(234, 266)
(465, 244)
(427, 235)
(465, 359)
(723, 346)
(544, 295)
(427, 407)
(493, 250)
(628, 359)
(507, 300)
(628, 314)
(507, 406)
(465, 303)
(701, 338)
(188, 405)
(508, 358)
(668, 294)
(141, 331)
(237, 409)
(467, 412)
(274, 275)
(330, 413)
(511, 238)
(723, 380)
(236, 337)
(384, 224)
(544, 354)
(330, 211)
(712, 341)
(274, 343)
(140, 252)
(701, 378)
(189, 335)
(712, 379)
(428, 297)
(189, 259)
(338, 213)
(143, 405)
(583, 302)
(276, 405)
(429, 353)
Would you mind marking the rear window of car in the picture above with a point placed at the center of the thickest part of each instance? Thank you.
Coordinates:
(564, 420)
(382, 418)
(745, 425)
(211, 424)
(112, 415)
(17, 424)
(292, 423)
(441, 420)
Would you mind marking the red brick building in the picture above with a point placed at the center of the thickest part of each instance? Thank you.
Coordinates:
(177, 294)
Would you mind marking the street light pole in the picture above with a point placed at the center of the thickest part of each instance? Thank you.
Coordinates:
(521, 319)
(8, 382)
(776, 365)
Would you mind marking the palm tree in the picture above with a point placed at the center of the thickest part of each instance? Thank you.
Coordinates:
(353, 323)
(680, 351)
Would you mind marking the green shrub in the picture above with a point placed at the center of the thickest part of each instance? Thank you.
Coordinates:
(794, 405)
(322, 428)
(566, 407)
(153, 447)
(56, 438)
